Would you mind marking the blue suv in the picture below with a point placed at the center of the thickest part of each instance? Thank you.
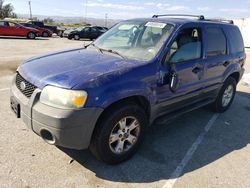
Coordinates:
(104, 95)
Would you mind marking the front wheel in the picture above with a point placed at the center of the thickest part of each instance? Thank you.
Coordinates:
(119, 133)
(225, 96)
(31, 35)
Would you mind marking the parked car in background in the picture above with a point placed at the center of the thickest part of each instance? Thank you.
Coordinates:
(54, 29)
(88, 32)
(8, 28)
(42, 31)
(102, 29)
(68, 31)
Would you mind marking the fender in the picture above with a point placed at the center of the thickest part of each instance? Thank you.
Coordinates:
(123, 84)
(233, 68)
(130, 89)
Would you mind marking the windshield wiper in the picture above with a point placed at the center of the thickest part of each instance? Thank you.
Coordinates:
(92, 44)
(106, 50)
(113, 52)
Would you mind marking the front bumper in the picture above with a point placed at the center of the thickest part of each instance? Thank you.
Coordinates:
(68, 128)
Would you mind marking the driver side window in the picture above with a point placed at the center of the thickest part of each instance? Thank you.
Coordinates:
(12, 24)
(186, 46)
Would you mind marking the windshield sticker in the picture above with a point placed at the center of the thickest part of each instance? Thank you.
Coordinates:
(156, 24)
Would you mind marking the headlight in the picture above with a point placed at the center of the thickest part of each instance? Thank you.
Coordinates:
(63, 98)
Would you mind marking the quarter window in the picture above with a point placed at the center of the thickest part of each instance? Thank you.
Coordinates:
(216, 42)
(237, 44)
(12, 24)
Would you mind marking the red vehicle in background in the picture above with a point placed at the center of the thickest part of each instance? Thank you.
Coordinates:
(8, 28)
(42, 31)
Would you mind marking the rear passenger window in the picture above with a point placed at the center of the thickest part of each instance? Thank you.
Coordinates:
(2, 24)
(216, 42)
(236, 40)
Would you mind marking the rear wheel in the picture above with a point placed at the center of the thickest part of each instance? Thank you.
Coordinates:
(77, 37)
(31, 35)
(225, 96)
(45, 34)
(119, 133)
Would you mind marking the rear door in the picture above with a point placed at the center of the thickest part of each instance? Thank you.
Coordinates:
(217, 55)
(3, 28)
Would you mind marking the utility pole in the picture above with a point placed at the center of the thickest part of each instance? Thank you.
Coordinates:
(106, 19)
(30, 10)
(86, 9)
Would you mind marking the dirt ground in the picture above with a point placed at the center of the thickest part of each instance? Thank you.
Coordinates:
(14, 51)
(199, 149)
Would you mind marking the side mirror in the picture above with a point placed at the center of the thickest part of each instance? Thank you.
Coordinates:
(174, 82)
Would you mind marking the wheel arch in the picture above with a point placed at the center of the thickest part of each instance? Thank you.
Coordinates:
(140, 100)
(235, 75)
(136, 99)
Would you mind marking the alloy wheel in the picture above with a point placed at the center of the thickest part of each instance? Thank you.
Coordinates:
(124, 135)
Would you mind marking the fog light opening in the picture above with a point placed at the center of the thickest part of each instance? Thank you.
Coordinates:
(47, 136)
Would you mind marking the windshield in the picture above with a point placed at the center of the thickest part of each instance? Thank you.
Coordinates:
(138, 40)
(79, 29)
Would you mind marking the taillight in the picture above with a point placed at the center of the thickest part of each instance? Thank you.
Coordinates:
(242, 61)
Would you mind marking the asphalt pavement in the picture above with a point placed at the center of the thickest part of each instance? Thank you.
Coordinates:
(198, 149)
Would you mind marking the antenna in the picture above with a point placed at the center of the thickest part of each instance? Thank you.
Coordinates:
(86, 10)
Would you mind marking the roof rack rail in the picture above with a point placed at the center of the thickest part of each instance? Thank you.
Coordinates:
(221, 20)
(200, 17)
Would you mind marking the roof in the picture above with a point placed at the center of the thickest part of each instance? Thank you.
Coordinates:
(182, 21)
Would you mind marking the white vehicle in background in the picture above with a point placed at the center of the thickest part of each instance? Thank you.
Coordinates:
(68, 31)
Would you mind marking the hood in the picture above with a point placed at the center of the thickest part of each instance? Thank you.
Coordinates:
(70, 68)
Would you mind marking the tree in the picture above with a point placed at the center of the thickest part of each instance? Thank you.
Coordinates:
(48, 20)
(6, 11)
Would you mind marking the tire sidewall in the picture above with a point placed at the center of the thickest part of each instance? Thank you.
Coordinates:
(29, 37)
(77, 37)
(218, 103)
(45, 34)
(103, 148)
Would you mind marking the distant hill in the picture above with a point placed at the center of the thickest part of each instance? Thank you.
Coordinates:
(72, 20)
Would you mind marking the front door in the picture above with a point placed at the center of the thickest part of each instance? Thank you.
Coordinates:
(181, 77)
(85, 32)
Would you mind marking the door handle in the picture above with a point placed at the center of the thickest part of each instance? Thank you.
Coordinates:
(196, 70)
(226, 63)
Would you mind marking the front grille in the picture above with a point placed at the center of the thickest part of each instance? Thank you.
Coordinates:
(24, 86)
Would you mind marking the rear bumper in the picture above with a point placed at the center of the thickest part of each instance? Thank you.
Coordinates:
(67, 128)
(241, 73)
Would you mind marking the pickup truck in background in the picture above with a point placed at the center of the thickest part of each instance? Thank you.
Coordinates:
(54, 29)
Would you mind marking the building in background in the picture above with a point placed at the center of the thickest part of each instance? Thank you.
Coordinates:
(244, 25)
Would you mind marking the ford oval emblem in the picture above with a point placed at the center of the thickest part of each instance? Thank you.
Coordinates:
(22, 85)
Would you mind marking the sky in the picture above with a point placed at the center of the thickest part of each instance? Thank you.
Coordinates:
(118, 9)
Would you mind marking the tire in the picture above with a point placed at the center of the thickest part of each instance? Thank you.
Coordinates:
(106, 149)
(225, 97)
(77, 37)
(31, 35)
(45, 34)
